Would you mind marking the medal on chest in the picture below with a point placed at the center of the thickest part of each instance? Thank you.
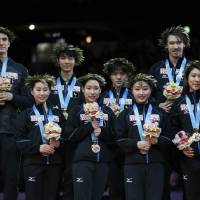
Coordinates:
(65, 113)
(95, 148)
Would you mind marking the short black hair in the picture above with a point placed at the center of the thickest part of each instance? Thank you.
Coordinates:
(195, 64)
(84, 79)
(10, 34)
(118, 64)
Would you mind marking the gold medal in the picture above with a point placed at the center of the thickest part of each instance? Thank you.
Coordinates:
(65, 114)
(95, 148)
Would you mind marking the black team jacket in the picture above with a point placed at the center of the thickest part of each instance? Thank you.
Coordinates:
(79, 129)
(128, 136)
(180, 120)
(21, 98)
(28, 138)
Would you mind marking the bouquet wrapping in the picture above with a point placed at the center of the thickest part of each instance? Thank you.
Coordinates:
(172, 91)
(52, 130)
(5, 84)
(151, 132)
(183, 140)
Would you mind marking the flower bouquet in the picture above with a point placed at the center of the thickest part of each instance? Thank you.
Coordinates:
(183, 140)
(92, 110)
(5, 84)
(52, 130)
(151, 132)
(172, 91)
(115, 108)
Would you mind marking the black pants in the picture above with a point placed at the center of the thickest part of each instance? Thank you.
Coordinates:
(191, 182)
(167, 187)
(116, 181)
(144, 181)
(67, 183)
(89, 180)
(41, 182)
(9, 166)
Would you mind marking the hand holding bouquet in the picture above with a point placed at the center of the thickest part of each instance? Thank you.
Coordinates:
(172, 91)
(52, 131)
(151, 132)
(184, 140)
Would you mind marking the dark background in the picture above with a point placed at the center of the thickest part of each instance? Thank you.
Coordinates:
(120, 28)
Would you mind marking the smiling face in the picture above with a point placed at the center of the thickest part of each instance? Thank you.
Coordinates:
(194, 80)
(91, 91)
(66, 63)
(175, 46)
(141, 91)
(40, 92)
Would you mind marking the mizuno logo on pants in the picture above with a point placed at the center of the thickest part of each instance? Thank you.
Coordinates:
(31, 179)
(79, 180)
(129, 180)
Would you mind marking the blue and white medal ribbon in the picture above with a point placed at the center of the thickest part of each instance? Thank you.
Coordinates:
(195, 120)
(122, 100)
(41, 125)
(180, 73)
(139, 123)
(40, 122)
(95, 146)
(4, 67)
(64, 101)
(111, 97)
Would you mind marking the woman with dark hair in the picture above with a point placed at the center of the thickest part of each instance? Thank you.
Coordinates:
(143, 166)
(90, 127)
(185, 116)
(38, 131)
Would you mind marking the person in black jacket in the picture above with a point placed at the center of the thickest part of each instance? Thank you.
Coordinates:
(91, 136)
(66, 92)
(143, 165)
(118, 70)
(185, 117)
(175, 41)
(42, 156)
(65, 95)
(118, 97)
(13, 98)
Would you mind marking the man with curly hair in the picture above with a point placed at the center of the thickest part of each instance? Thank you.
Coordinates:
(174, 40)
(65, 95)
(13, 96)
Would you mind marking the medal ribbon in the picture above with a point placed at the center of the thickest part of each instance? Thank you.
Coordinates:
(64, 101)
(94, 137)
(49, 117)
(139, 123)
(180, 73)
(4, 67)
(195, 120)
(122, 100)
